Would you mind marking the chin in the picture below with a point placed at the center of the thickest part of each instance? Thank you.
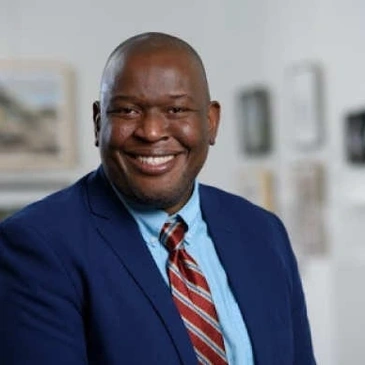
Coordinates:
(160, 200)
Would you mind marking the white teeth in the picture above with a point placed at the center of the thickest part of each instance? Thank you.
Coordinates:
(155, 160)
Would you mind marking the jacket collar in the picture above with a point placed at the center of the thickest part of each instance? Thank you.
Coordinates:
(120, 231)
(237, 242)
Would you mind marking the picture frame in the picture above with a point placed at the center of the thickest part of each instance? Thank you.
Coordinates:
(306, 220)
(256, 184)
(255, 121)
(355, 137)
(305, 105)
(37, 116)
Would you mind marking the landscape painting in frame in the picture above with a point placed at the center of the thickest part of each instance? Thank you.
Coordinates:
(36, 116)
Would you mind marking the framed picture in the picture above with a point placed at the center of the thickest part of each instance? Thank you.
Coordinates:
(256, 184)
(37, 126)
(306, 211)
(355, 137)
(305, 105)
(254, 121)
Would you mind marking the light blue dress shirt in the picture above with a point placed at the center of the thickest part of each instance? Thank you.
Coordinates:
(200, 246)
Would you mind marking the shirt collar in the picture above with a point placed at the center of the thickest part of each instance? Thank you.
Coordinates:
(150, 221)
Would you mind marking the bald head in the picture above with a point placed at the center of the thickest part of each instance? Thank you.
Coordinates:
(146, 45)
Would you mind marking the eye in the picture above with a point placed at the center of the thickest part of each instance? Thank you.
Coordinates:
(124, 111)
(176, 110)
(129, 111)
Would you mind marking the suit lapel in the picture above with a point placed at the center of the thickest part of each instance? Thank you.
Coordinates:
(121, 232)
(244, 265)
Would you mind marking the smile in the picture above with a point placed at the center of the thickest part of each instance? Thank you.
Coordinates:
(155, 160)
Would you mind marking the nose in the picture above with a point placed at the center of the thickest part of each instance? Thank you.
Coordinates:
(152, 127)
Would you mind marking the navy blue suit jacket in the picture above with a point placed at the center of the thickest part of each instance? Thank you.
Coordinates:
(79, 286)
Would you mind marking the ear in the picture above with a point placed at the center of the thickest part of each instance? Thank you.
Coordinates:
(214, 114)
(96, 118)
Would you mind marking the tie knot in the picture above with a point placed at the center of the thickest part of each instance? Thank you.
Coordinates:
(172, 234)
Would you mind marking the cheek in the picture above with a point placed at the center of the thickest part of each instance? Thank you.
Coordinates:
(113, 134)
(194, 134)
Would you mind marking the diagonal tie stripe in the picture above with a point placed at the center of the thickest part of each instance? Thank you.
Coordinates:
(191, 270)
(193, 287)
(192, 297)
(195, 311)
(207, 340)
(209, 346)
(201, 358)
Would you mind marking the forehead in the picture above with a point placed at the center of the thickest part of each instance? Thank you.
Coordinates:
(154, 71)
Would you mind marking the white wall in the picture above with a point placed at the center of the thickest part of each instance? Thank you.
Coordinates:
(242, 43)
(83, 33)
(332, 33)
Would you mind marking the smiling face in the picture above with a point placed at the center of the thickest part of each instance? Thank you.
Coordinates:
(154, 125)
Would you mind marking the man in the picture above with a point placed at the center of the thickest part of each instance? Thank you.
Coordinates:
(137, 263)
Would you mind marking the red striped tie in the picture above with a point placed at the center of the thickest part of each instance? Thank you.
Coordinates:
(192, 297)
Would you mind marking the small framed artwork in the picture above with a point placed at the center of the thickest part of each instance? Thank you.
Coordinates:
(306, 211)
(37, 126)
(254, 121)
(256, 184)
(355, 137)
(305, 105)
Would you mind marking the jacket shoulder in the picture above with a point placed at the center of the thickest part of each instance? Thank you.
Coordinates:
(233, 204)
(247, 219)
(50, 211)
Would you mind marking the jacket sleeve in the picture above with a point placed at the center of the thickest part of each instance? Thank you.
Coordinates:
(303, 350)
(40, 310)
